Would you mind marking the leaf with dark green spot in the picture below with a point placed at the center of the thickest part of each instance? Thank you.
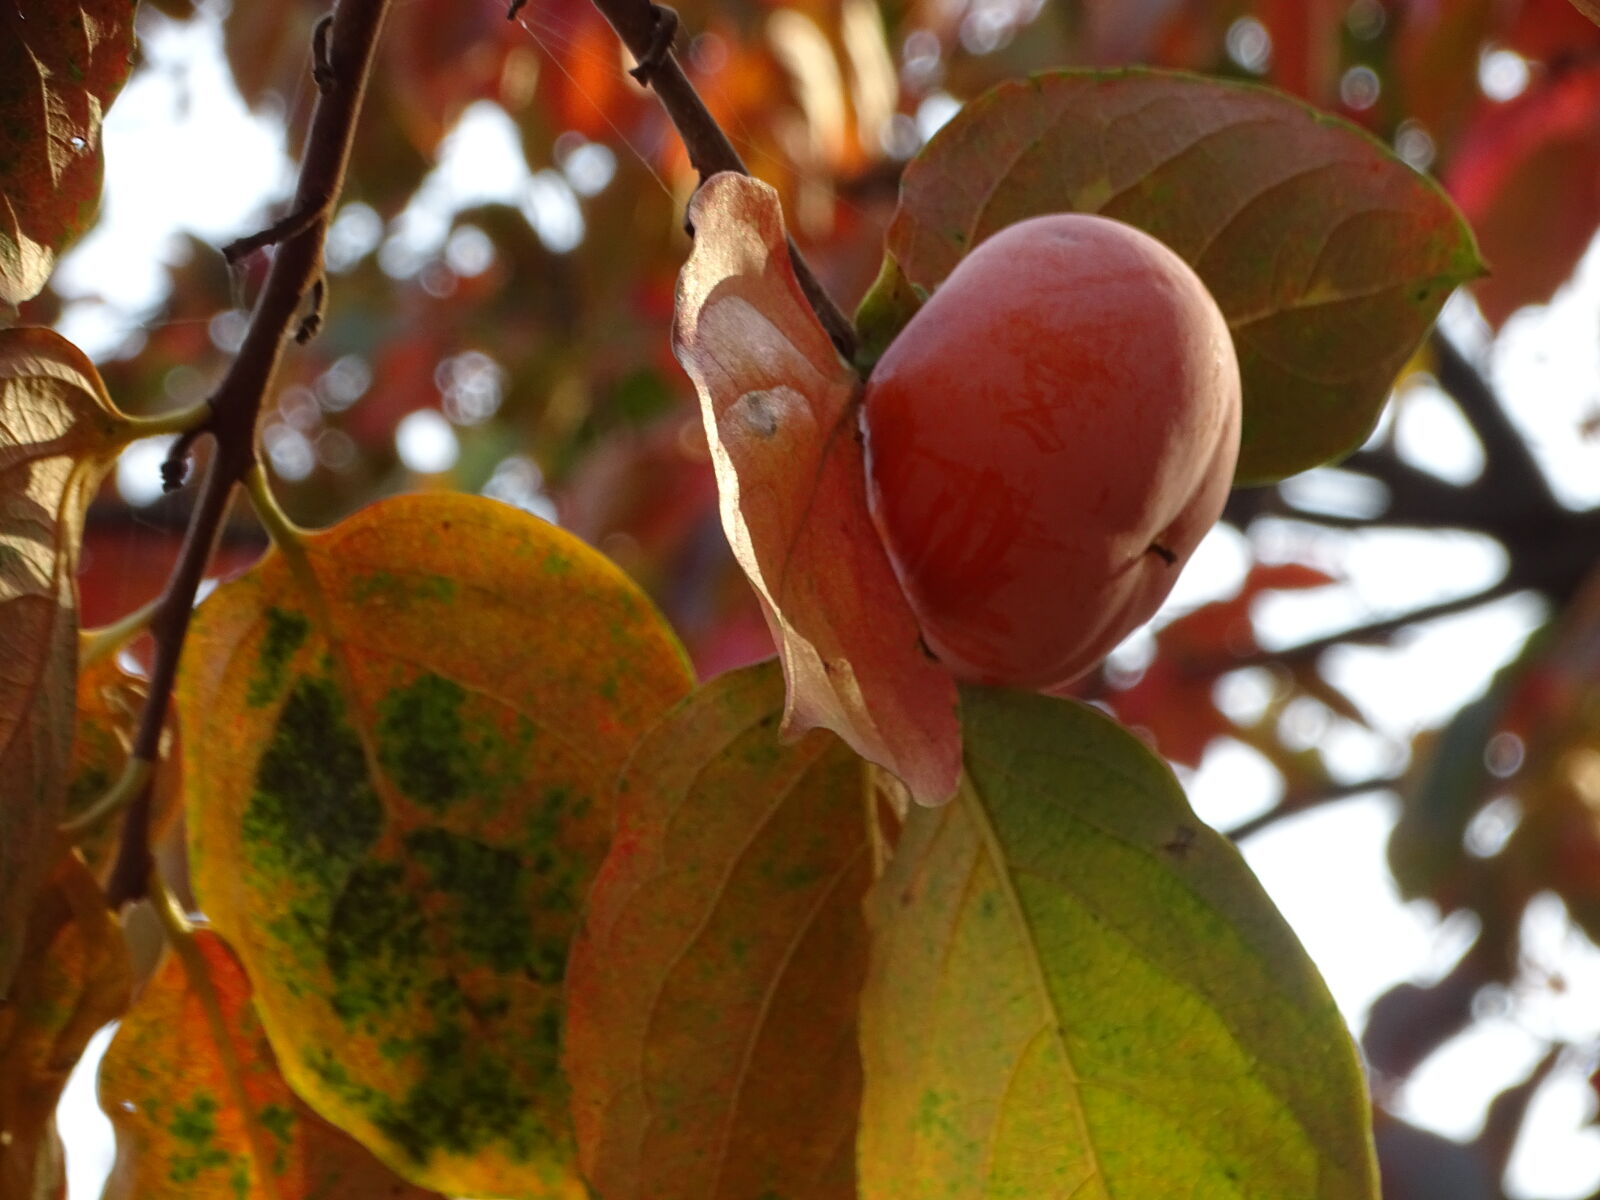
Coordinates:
(713, 992)
(400, 741)
(75, 978)
(1079, 990)
(182, 1132)
(61, 65)
(1329, 256)
(59, 433)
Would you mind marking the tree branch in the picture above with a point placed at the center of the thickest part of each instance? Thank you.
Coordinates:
(344, 60)
(1511, 474)
(646, 29)
(1293, 805)
(1383, 629)
(1510, 499)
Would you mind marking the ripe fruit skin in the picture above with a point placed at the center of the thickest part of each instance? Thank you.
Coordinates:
(1058, 418)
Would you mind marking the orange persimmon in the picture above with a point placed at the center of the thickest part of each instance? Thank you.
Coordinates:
(1048, 440)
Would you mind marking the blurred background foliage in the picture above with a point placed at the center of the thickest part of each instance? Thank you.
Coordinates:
(499, 322)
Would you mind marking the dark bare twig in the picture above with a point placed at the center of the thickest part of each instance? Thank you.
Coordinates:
(297, 221)
(1380, 630)
(1292, 805)
(236, 405)
(1510, 497)
(647, 33)
(1510, 470)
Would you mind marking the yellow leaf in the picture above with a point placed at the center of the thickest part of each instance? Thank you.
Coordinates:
(1078, 990)
(399, 744)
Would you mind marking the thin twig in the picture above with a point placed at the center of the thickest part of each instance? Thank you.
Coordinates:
(645, 29)
(1291, 806)
(1371, 631)
(1511, 473)
(236, 404)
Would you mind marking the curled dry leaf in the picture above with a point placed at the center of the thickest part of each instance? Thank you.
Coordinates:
(77, 978)
(1527, 172)
(58, 434)
(61, 64)
(780, 411)
(721, 1063)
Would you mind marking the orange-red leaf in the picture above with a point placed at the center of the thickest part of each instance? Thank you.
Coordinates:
(181, 1133)
(75, 978)
(712, 996)
(399, 745)
(58, 434)
(780, 411)
(1527, 175)
(61, 64)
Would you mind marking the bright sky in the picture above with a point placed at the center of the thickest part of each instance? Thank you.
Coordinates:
(1325, 870)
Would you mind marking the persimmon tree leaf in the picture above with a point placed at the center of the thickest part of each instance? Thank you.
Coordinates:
(712, 998)
(109, 700)
(61, 65)
(182, 1133)
(59, 432)
(780, 410)
(75, 978)
(1329, 256)
(1079, 990)
(399, 742)
(1527, 172)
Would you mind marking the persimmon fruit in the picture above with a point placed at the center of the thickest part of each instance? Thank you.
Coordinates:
(1048, 439)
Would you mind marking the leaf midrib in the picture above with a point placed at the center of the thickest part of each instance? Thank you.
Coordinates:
(989, 841)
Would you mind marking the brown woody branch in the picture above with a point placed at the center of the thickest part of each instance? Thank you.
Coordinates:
(1510, 469)
(344, 59)
(646, 29)
(1304, 802)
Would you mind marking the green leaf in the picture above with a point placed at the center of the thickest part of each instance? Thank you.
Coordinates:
(181, 1133)
(712, 998)
(399, 740)
(61, 65)
(59, 433)
(1080, 990)
(1329, 256)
